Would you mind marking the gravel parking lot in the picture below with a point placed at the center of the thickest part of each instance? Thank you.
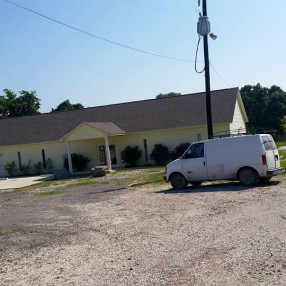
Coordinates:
(218, 234)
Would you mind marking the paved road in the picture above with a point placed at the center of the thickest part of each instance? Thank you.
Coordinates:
(23, 182)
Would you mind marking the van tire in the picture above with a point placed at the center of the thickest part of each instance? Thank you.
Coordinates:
(248, 177)
(178, 181)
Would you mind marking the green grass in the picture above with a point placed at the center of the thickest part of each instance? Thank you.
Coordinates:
(49, 193)
(283, 159)
(147, 176)
(87, 182)
(281, 143)
(148, 179)
(39, 185)
(63, 184)
(124, 177)
(1, 231)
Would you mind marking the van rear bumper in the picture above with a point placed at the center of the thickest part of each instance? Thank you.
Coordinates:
(275, 171)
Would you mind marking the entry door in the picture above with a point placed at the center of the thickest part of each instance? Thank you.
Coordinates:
(102, 155)
(194, 163)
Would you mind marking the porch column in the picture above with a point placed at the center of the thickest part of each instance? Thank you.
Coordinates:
(107, 153)
(69, 156)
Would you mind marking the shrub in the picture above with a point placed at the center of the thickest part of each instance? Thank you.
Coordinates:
(26, 169)
(38, 168)
(160, 154)
(179, 150)
(79, 162)
(11, 168)
(130, 155)
(49, 165)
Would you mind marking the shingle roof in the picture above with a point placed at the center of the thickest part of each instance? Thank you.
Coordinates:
(147, 115)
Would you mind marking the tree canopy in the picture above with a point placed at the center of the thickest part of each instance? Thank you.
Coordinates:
(265, 107)
(12, 105)
(66, 105)
(170, 94)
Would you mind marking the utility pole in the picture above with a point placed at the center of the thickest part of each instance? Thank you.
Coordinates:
(207, 79)
(204, 30)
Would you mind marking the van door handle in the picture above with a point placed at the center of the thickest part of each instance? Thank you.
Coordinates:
(204, 163)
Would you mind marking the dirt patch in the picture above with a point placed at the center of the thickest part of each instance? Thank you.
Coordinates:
(220, 234)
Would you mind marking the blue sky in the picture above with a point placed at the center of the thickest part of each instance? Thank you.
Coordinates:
(60, 63)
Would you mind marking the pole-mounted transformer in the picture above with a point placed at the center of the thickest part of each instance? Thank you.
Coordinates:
(203, 26)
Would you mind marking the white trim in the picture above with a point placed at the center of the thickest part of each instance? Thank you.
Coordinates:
(69, 156)
(107, 153)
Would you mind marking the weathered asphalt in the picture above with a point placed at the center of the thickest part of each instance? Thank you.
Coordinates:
(15, 183)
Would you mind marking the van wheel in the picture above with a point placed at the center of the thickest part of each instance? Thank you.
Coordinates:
(178, 181)
(196, 184)
(248, 177)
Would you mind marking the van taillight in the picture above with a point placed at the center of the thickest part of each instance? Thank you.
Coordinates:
(264, 161)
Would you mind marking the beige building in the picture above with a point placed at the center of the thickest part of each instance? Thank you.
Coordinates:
(100, 133)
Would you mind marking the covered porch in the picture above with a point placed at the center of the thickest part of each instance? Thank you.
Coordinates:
(91, 131)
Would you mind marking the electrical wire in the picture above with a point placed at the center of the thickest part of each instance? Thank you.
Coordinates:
(209, 63)
(196, 59)
(97, 37)
(219, 75)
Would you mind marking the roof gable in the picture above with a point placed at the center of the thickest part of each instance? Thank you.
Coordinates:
(91, 130)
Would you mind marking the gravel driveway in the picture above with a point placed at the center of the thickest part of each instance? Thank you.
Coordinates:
(221, 234)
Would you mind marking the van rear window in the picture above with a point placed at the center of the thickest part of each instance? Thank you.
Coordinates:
(268, 143)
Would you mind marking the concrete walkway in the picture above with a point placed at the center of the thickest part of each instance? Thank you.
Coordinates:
(14, 183)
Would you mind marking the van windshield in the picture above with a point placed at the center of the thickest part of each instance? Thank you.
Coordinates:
(268, 143)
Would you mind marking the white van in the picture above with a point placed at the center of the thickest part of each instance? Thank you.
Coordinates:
(248, 158)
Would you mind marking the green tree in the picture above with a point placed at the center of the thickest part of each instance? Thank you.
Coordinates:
(265, 107)
(170, 94)
(8, 103)
(66, 105)
(26, 104)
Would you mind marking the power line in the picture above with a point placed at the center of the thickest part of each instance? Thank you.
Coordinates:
(219, 75)
(95, 36)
